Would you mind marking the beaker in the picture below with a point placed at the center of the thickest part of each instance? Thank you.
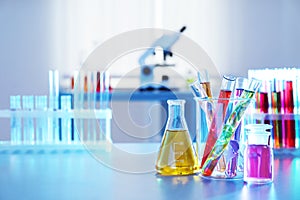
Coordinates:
(176, 155)
(232, 156)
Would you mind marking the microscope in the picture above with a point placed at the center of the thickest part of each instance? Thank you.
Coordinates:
(164, 43)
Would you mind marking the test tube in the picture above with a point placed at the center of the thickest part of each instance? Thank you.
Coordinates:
(66, 129)
(91, 103)
(203, 78)
(28, 122)
(104, 100)
(276, 109)
(227, 87)
(289, 124)
(78, 105)
(80, 87)
(41, 121)
(53, 122)
(232, 160)
(15, 121)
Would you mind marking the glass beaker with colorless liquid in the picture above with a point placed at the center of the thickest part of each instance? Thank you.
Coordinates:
(176, 154)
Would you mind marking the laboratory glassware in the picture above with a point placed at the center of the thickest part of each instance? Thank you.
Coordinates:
(259, 156)
(41, 127)
(176, 154)
(28, 122)
(231, 123)
(15, 121)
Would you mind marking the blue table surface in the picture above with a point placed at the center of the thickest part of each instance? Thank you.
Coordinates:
(125, 172)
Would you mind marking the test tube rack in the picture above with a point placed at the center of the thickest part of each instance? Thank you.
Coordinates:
(278, 104)
(81, 115)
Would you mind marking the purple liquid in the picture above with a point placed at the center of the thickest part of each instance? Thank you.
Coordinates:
(258, 163)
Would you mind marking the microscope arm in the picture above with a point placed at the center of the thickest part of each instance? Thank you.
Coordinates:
(165, 42)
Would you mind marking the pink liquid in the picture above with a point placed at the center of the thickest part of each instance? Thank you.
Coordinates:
(258, 163)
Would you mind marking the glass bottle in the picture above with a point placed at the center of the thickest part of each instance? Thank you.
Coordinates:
(176, 154)
(259, 159)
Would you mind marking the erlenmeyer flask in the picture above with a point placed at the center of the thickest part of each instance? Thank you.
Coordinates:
(176, 154)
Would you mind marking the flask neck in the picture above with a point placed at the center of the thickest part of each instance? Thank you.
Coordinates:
(176, 120)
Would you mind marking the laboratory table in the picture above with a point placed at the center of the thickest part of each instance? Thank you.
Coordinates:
(123, 171)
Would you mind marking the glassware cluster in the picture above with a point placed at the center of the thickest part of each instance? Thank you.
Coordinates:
(220, 140)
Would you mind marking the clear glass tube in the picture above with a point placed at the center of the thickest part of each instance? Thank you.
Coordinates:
(234, 146)
(53, 122)
(41, 104)
(15, 121)
(104, 105)
(28, 122)
(91, 103)
(66, 129)
(79, 104)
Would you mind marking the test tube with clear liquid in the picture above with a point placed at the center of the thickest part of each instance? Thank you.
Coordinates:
(15, 121)
(104, 106)
(41, 127)
(53, 122)
(28, 121)
(66, 129)
(91, 104)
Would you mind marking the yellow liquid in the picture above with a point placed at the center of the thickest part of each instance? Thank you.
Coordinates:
(176, 154)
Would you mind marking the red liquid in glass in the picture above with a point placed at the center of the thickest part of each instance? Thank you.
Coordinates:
(290, 134)
(215, 125)
(258, 162)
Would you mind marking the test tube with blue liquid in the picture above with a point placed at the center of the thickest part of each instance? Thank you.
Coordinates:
(66, 129)
(41, 121)
(15, 121)
(28, 121)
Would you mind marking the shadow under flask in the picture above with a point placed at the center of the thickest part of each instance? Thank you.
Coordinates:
(258, 156)
(176, 155)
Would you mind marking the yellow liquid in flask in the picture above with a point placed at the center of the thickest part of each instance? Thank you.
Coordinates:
(176, 154)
